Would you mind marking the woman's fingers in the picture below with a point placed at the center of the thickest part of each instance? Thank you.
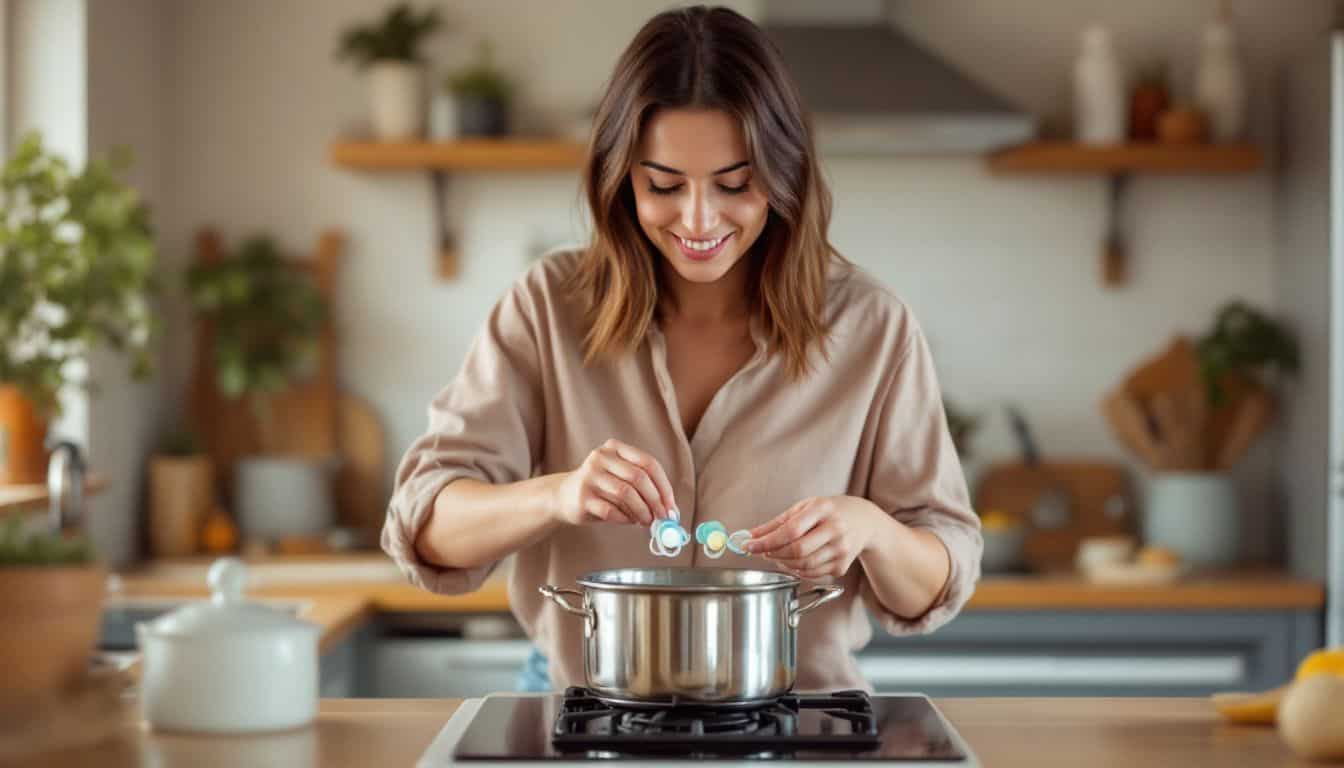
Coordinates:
(650, 467)
(798, 523)
(822, 556)
(769, 526)
(623, 495)
(800, 550)
(604, 511)
(637, 478)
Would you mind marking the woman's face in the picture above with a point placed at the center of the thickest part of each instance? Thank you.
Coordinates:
(694, 191)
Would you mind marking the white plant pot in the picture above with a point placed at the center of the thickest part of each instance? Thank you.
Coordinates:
(279, 496)
(396, 100)
(1195, 514)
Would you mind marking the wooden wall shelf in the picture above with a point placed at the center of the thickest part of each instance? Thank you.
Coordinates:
(1118, 163)
(21, 498)
(438, 158)
(1067, 157)
(464, 155)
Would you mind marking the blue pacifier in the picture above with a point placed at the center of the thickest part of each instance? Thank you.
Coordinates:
(667, 537)
(714, 537)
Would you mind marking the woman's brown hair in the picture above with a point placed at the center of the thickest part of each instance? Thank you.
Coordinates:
(706, 58)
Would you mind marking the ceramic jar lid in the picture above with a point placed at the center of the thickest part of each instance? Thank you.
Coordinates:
(227, 612)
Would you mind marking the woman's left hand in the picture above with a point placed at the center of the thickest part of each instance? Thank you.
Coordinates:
(819, 536)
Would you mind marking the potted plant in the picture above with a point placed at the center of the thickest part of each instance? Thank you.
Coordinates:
(482, 95)
(388, 50)
(77, 261)
(181, 494)
(267, 320)
(51, 595)
(1192, 504)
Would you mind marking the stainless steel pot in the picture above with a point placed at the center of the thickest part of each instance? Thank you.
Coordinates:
(704, 635)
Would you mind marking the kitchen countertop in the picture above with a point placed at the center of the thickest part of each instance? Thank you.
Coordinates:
(1033, 733)
(340, 605)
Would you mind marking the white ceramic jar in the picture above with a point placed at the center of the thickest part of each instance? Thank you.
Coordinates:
(227, 665)
(1220, 86)
(1099, 101)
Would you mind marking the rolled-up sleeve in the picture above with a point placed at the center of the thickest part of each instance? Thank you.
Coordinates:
(486, 425)
(917, 477)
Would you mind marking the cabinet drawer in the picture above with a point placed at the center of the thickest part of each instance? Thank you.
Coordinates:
(445, 667)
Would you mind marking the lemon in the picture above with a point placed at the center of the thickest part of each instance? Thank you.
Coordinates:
(1327, 661)
(1250, 708)
(997, 520)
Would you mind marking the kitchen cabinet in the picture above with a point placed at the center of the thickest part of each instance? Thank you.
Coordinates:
(343, 670)
(1096, 653)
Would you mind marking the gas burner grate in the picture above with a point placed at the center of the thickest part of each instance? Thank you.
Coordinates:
(587, 722)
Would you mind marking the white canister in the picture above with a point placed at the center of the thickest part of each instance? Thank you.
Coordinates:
(227, 665)
(1195, 514)
(443, 116)
(1220, 87)
(1099, 100)
(278, 496)
(396, 100)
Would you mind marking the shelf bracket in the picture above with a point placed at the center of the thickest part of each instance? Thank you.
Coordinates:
(1114, 259)
(446, 258)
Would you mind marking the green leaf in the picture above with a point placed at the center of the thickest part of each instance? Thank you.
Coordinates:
(76, 260)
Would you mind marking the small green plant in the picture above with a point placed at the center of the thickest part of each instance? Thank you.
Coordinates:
(267, 320)
(397, 37)
(20, 545)
(180, 443)
(77, 261)
(1245, 342)
(482, 80)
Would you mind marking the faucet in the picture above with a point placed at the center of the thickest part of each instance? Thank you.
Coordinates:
(65, 486)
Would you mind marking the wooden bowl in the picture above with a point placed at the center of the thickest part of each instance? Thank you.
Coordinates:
(52, 617)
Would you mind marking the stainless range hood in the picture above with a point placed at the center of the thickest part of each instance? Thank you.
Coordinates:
(873, 90)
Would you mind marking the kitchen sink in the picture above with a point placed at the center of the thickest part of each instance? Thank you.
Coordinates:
(120, 615)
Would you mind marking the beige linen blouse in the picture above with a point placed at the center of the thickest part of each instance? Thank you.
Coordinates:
(867, 423)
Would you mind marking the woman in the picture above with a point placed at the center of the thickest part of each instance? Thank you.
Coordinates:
(709, 352)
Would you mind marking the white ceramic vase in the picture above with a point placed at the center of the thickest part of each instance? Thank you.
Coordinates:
(1220, 86)
(396, 100)
(1195, 514)
(278, 496)
(1099, 102)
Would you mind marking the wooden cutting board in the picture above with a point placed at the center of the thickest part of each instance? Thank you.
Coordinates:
(361, 496)
(1099, 502)
(303, 416)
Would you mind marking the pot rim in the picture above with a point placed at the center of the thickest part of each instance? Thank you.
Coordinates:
(774, 580)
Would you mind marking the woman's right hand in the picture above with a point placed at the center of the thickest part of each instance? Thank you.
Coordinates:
(616, 483)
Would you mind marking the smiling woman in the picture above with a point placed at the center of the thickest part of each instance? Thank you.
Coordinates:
(708, 357)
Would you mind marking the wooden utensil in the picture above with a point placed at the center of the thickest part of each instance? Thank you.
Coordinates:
(1128, 420)
(1100, 499)
(1252, 416)
(1175, 369)
(361, 500)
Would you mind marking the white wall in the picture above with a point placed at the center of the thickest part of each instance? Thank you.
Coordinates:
(126, 82)
(1003, 272)
(46, 86)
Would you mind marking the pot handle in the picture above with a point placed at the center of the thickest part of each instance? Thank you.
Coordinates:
(558, 595)
(819, 595)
